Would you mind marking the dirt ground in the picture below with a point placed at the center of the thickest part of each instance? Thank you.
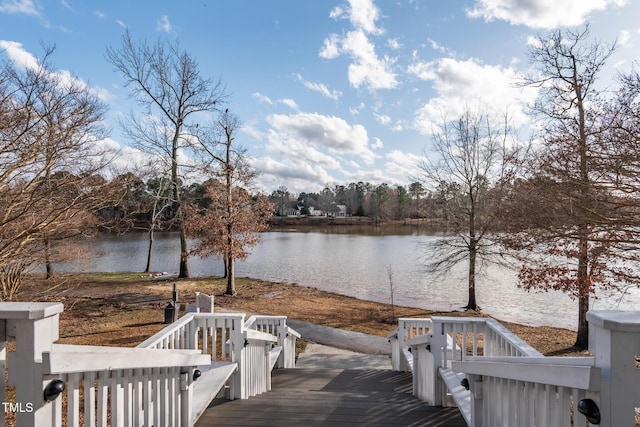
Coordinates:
(125, 309)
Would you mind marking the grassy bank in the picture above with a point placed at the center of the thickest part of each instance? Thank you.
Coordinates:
(125, 308)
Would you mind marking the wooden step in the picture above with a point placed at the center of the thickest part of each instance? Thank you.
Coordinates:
(315, 397)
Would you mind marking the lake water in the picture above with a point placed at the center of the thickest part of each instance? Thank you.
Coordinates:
(356, 261)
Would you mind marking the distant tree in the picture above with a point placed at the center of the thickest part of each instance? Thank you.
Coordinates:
(584, 234)
(379, 199)
(281, 199)
(402, 200)
(167, 83)
(416, 190)
(233, 220)
(470, 162)
(326, 199)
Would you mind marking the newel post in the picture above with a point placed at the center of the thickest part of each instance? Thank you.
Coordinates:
(35, 328)
(614, 340)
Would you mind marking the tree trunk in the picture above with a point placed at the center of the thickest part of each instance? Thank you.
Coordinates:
(471, 305)
(582, 337)
(148, 267)
(47, 258)
(184, 268)
(231, 280)
(225, 274)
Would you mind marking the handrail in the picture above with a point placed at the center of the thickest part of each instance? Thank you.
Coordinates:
(151, 384)
(74, 358)
(277, 325)
(508, 382)
(136, 386)
(571, 372)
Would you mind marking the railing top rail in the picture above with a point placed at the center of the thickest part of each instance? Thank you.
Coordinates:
(293, 332)
(580, 376)
(493, 325)
(413, 319)
(252, 334)
(96, 359)
(167, 331)
(256, 318)
(446, 319)
(217, 315)
(513, 339)
(184, 321)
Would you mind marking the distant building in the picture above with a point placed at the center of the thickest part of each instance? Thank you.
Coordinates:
(338, 211)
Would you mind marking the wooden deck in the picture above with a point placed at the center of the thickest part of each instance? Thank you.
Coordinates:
(332, 397)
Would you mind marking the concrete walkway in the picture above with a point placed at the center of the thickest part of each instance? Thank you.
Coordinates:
(340, 338)
(332, 348)
(323, 357)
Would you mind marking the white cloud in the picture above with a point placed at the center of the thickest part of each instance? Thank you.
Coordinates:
(402, 165)
(327, 132)
(377, 144)
(331, 48)
(262, 98)
(296, 175)
(540, 13)
(469, 84)
(289, 103)
(382, 118)
(250, 130)
(436, 46)
(163, 24)
(296, 150)
(25, 60)
(120, 23)
(320, 87)
(394, 44)
(362, 14)
(99, 14)
(624, 38)
(18, 55)
(26, 7)
(367, 68)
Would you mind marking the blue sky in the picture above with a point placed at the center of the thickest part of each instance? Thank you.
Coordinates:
(329, 92)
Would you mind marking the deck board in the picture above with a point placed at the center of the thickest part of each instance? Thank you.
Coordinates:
(332, 397)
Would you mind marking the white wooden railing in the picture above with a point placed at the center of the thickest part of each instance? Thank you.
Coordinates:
(168, 380)
(508, 383)
(277, 325)
(127, 387)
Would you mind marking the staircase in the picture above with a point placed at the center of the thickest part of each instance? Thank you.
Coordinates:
(332, 397)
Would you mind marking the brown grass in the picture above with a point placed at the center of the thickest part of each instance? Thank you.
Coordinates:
(125, 309)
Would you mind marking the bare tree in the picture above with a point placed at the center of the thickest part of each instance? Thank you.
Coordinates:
(475, 160)
(233, 219)
(573, 240)
(50, 124)
(166, 82)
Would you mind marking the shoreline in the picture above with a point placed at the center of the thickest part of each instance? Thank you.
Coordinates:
(401, 301)
(126, 308)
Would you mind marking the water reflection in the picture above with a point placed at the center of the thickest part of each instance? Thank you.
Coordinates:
(355, 261)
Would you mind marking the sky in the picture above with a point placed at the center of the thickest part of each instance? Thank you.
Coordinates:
(328, 92)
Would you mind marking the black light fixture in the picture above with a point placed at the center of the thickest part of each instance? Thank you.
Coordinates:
(465, 383)
(53, 390)
(590, 410)
(196, 374)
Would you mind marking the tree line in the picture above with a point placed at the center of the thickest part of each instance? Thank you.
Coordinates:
(381, 201)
